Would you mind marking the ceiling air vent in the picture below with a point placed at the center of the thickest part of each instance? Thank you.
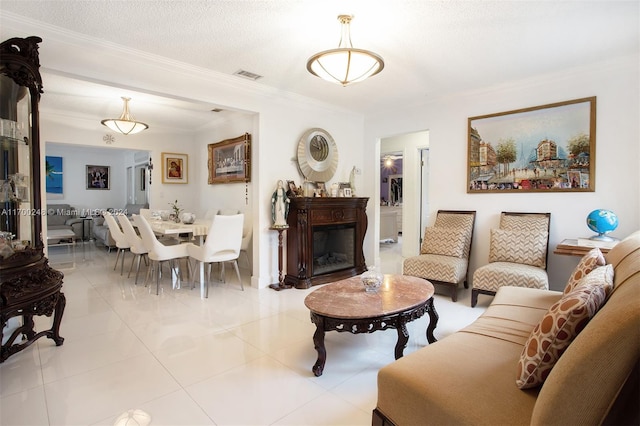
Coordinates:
(247, 75)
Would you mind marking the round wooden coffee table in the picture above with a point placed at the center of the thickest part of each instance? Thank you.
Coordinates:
(345, 306)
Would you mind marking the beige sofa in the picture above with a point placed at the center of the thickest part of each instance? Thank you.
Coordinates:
(469, 377)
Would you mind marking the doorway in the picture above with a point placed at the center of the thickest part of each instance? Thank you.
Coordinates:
(411, 202)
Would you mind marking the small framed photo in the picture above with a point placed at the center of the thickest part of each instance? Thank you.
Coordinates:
(174, 168)
(347, 192)
(292, 189)
(98, 177)
(321, 190)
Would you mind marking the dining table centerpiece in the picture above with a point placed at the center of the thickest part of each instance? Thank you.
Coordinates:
(176, 209)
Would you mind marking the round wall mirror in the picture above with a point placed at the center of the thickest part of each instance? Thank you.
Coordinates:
(317, 155)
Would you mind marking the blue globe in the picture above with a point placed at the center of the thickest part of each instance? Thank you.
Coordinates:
(602, 221)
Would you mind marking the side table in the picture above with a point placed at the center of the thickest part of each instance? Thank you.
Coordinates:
(86, 221)
(570, 247)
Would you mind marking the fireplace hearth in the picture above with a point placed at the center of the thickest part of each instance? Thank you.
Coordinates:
(333, 248)
(324, 239)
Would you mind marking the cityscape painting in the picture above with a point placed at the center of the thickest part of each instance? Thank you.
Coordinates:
(546, 148)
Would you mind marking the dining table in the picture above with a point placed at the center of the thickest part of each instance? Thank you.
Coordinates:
(198, 229)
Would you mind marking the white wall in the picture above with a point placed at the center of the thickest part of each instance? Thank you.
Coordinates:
(74, 181)
(615, 83)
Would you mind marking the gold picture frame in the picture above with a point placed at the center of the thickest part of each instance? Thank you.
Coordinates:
(175, 168)
(230, 160)
(547, 148)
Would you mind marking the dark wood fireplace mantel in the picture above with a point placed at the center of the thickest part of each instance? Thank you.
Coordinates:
(312, 214)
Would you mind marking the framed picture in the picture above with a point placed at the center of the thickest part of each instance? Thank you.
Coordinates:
(230, 160)
(548, 148)
(395, 189)
(347, 192)
(292, 189)
(143, 178)
(54, 175)
(175, 168)
(98, 177)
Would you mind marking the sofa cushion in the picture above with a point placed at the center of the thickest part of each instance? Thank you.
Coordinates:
(58, 214)
(526, 247)
(587, 263)
(425, 386)
(436, 267)
(495, 275)
(625, 258)
(444, 241)
(560, 325)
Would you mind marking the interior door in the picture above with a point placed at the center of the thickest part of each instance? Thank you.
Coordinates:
(129, 184)
(140, 184)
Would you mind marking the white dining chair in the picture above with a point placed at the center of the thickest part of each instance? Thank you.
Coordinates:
(159, 253)
(222, 245)
(118, 236)
(137, 246)
(247, 233)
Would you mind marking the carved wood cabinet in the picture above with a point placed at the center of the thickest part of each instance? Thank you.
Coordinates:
(28, 285)
(324, 239)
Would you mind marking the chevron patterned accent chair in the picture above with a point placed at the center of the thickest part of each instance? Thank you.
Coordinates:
(517, 255)
(445, 250)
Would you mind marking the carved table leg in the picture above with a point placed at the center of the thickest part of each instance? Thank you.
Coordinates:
(433, 321)
(28, 326)
(403, 337)
(57, 319)
(318, 341)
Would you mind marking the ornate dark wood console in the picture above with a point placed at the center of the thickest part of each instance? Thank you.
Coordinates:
(28, 285)
(324, 239)
(27, 292)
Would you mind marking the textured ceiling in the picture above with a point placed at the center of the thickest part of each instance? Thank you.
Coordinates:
(430, 48)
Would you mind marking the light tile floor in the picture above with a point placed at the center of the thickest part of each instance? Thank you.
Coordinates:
(236, 358)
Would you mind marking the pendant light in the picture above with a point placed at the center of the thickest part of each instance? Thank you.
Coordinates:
(125, 124)
(345, 65)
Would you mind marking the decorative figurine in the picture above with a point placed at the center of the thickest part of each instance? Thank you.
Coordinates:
(279, 206)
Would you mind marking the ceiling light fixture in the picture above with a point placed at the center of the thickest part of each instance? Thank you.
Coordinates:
(345, 65)
(125, 124)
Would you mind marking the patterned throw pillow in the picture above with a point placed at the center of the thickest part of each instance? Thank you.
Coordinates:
(564, 320)
(588, 263)
(444, 241)
(526, 247)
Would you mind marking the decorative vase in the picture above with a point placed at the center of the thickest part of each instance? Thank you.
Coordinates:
(188, 218)
(372, 280)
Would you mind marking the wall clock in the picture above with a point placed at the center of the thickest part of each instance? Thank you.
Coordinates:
(317, 155)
